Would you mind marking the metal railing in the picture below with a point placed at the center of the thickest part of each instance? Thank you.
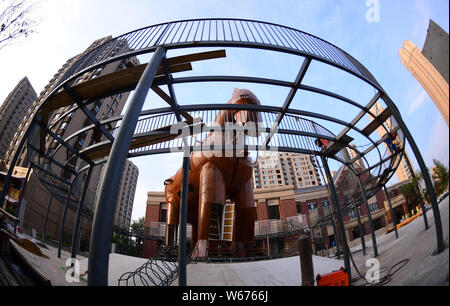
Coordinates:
(276, 226)
(218, 32)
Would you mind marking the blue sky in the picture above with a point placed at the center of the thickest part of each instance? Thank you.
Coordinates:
(68, 27)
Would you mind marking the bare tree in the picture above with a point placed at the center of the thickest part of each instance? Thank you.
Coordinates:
(14, 21)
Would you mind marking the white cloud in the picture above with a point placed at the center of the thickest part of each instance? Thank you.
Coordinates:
(438, 145)
(415, 97)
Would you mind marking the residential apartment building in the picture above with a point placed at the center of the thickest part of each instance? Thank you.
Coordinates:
(12, 112)
(36, 196)
(353, 155)
(125, 197)
(283, 169)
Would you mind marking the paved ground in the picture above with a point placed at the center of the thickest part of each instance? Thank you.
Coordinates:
(275, 272)
(53, 267)
(414, 244)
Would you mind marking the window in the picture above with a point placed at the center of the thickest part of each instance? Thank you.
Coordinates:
(356, 233)
(162, 217)
(274, 212)
(299, 209)
(352, 214)
(373, 207)
(326, 204)
(312, 206)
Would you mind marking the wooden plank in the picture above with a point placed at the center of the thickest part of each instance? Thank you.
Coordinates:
(375, 123)
(167, 98)
(122, 80)
(119, 81)
(102, 149)
(196, 57)
(335, 146)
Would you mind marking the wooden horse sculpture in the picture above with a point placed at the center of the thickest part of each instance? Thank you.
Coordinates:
(213, 179)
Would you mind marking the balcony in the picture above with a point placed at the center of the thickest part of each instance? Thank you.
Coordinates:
(289, 225)
(155, 230)
(280, 227)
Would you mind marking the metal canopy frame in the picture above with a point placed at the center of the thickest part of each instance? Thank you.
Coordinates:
(293, 131)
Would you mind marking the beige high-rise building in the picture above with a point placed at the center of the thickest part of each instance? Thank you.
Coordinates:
(283, 168)
(403, 172)
(353, 155)
(428, 76)
(12, 112)
(125, 197)
(37, 196)
(101, 109)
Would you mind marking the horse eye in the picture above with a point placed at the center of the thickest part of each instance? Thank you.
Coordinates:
(245, 96)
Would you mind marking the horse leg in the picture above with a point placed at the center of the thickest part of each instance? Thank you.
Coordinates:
(212, 190)
(172, 220)
(244, 219)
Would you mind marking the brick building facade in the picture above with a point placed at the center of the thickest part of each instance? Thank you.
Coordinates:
(277, 207)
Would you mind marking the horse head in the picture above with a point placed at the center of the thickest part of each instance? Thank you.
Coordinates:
(249, 118)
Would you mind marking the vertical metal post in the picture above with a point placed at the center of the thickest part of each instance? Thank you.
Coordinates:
(63, 221)
(394, 218)
(76, 231)
(425, 174)
(419, 194)
(105, 207)
(360, 226)
(313, 241)
(44, 231)
(13, 164)
(336, 238)
(339, 217)
(306, 261)
(23, 191)
(369, 216)
(182, 227)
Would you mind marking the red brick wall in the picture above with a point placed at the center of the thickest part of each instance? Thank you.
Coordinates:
(288, 208)
(261, 211)
(151, 214)
(366, 228)
(380, 198)
(350, 234)
(149, 248)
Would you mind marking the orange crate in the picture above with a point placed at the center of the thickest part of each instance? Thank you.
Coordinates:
(335, 278)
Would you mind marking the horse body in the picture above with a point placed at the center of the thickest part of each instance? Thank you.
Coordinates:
(213, 179)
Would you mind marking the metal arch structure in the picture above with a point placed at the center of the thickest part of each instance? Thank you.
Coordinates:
(146, 132)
